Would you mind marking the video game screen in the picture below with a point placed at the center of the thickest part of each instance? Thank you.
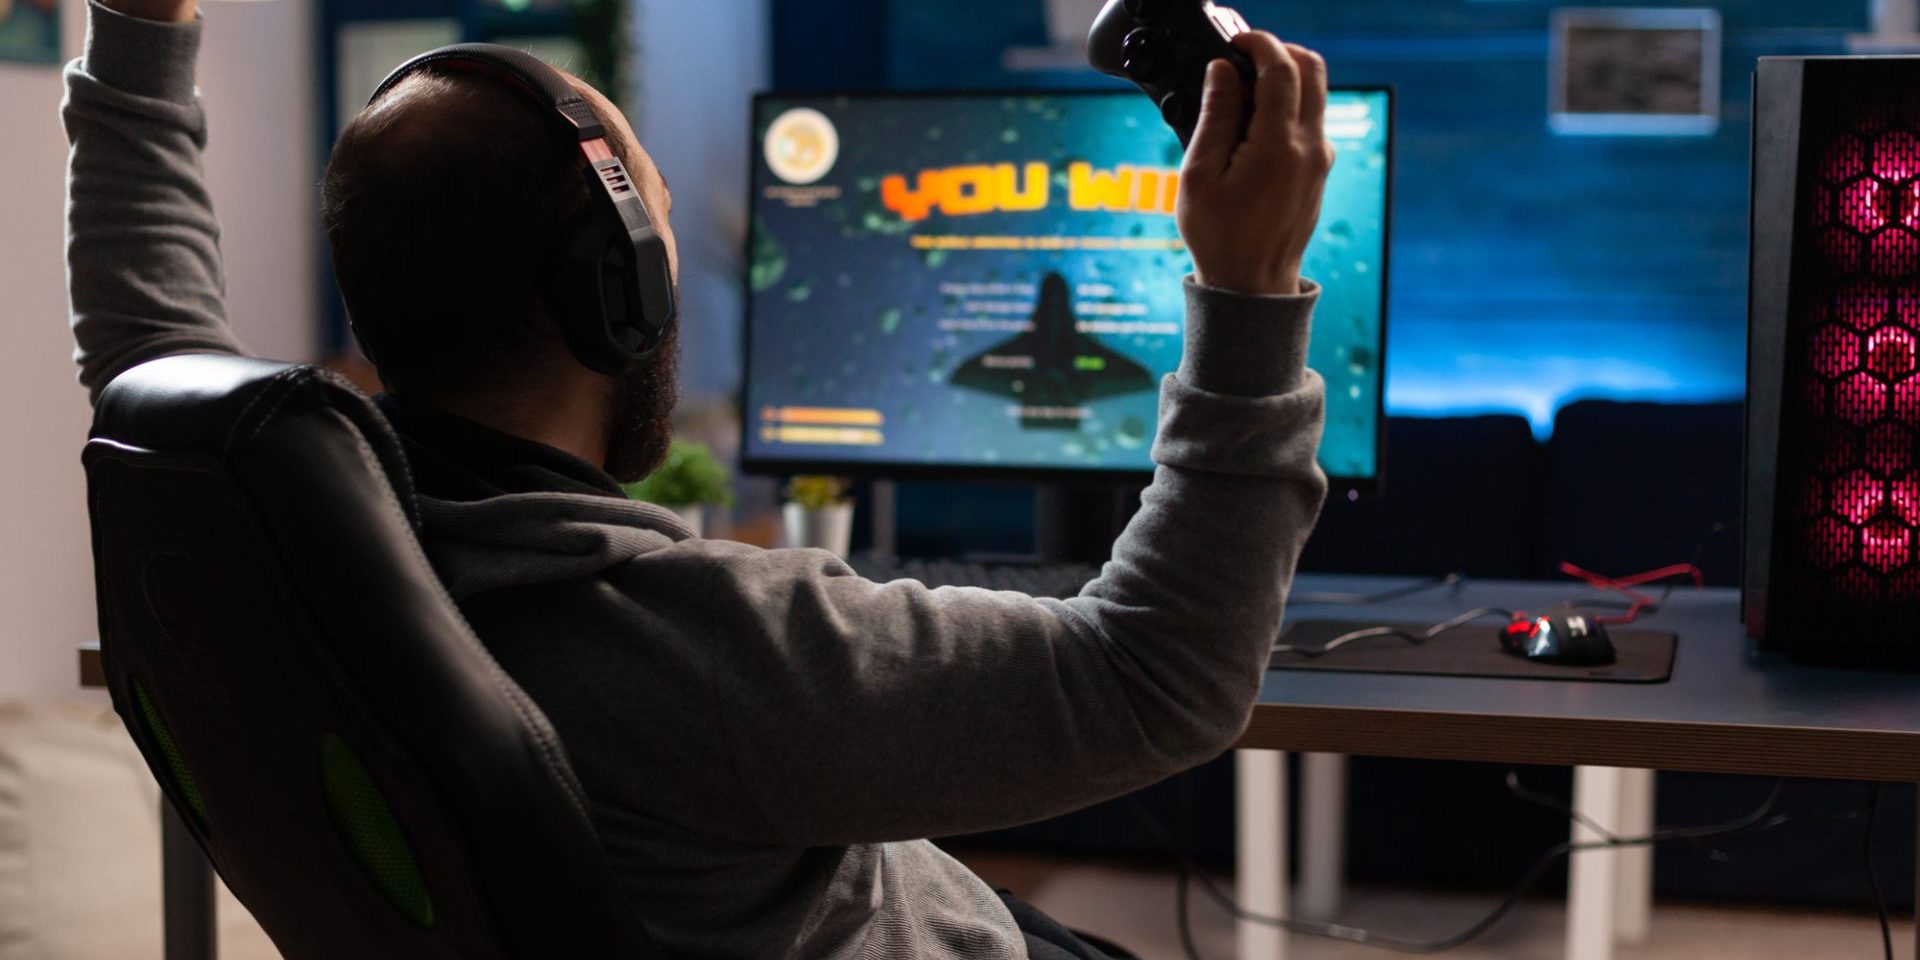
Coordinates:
(968, 281)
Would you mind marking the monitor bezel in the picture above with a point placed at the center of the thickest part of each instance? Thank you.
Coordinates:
(920, 470)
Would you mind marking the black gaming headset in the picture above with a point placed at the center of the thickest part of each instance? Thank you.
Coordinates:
(613, 287)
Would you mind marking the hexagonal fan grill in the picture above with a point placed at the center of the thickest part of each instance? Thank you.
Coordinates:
(1854, 396)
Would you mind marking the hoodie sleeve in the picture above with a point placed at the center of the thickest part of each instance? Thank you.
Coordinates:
(854, 711)
(143, 249)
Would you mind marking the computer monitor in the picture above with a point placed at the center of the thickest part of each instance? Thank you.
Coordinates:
(989, 284)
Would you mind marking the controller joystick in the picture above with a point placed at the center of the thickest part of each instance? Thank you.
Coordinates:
(1163, 47)
(1180, 112)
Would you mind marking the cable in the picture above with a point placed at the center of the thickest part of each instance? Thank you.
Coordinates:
(1182, 918)
(1760, 820)
(1414, 638)
(1640, 604)
(1537, 798)
(1700, 549)
(1332, 598)
(1873, 877)
(1635, 604)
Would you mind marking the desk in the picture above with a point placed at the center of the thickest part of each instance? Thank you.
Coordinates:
(1727, 709)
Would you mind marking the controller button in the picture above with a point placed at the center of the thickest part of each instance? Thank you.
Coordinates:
(1141, 56)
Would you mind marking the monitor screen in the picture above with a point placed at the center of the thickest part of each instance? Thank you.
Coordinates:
(953, 284)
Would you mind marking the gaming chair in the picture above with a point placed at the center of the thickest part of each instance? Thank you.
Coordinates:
(357, 767)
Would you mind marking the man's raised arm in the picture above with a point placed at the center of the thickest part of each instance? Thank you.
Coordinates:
(847, 711)
(143, 252)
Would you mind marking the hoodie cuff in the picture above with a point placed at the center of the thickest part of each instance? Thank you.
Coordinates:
(146, 58)
(1247, 346)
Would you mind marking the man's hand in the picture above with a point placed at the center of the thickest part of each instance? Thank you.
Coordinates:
(1250, 189)
(168, 11)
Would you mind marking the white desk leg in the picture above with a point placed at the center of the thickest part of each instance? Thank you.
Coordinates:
(1633, 911)
(1593, 876)
(1323, 835)
(1261, 859)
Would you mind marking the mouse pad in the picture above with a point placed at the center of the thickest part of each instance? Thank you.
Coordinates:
(1641, 656)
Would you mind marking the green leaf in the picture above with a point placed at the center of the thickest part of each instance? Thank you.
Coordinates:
(690, 475)
(817, 492)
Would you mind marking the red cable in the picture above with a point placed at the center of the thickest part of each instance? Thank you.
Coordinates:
(1624, 586)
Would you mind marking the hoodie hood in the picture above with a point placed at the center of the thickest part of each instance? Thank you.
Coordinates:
(526, 539)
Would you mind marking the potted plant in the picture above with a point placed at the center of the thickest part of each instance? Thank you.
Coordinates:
(818, 513)
(686, 483)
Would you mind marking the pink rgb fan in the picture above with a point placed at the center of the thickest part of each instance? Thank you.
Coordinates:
(1860, 376)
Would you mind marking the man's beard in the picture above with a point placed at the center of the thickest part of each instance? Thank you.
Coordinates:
(643, 413)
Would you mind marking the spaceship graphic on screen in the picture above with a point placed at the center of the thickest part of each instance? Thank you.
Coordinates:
(1052, 369)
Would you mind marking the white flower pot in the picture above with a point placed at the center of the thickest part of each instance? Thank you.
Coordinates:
(828, 528)
(694, 515)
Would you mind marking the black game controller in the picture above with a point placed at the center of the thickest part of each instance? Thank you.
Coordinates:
(1164, 46)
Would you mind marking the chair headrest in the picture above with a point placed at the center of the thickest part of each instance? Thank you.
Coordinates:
(210, 404)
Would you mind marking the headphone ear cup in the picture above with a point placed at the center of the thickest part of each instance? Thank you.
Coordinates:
(613, 290)
(620, 298)
(581, 314)
(596, 296)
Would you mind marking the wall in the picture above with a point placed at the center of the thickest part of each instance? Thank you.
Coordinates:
(697, 66)
(259, 166)
(1529, 269)
(830, 44)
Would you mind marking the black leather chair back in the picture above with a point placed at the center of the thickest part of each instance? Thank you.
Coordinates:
(359, 770)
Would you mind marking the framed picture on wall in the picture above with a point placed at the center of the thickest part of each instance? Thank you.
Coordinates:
(30, 31)
(1635, 72)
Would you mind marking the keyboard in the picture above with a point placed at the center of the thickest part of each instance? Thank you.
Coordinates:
(1034, 579)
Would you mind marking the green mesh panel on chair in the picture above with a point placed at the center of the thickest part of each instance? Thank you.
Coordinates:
(373, 836)
(169, 750)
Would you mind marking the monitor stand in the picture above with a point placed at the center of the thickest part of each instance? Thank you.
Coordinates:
(1051, 526)
(886, 529)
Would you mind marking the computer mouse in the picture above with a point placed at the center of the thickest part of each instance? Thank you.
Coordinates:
(1571, 639)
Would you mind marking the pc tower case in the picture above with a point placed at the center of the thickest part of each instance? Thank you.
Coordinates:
(1832, 558)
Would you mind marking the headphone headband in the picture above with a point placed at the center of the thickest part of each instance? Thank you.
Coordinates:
(613, 290)
(525, 70)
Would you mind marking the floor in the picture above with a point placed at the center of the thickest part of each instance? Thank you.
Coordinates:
(1134, 906)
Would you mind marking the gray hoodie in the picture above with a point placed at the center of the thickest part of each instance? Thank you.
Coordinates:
(763, 735)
